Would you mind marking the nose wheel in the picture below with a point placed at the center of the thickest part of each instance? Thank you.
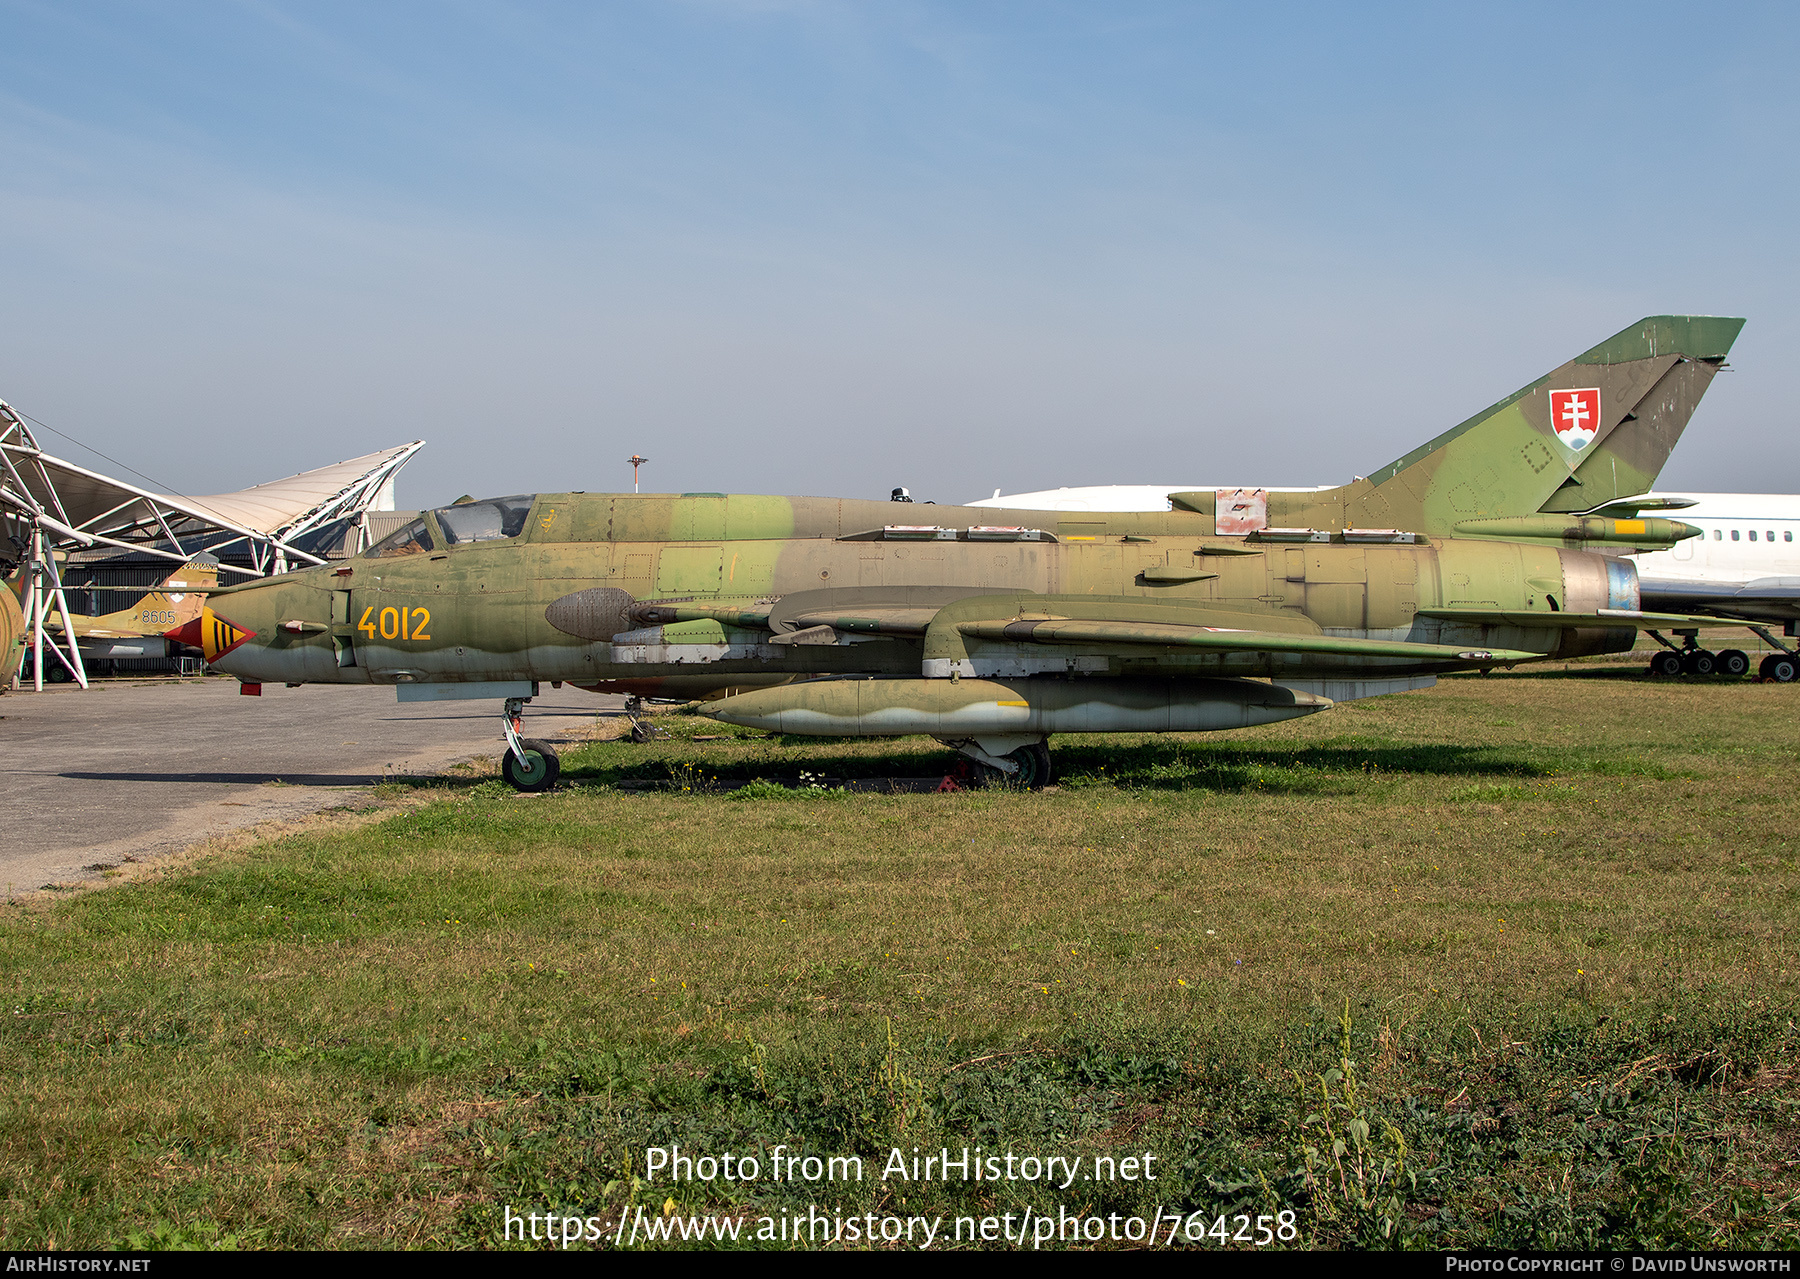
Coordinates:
(527, 765)
(641, 729)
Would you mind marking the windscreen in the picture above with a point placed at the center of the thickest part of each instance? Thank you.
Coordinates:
(485, 521)
(412, 539)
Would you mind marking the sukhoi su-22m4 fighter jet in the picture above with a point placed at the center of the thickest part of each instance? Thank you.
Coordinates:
(990, 629)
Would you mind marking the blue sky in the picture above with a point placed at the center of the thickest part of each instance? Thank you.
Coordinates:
(830, 248)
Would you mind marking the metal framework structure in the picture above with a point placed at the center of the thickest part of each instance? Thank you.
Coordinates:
(49, 506)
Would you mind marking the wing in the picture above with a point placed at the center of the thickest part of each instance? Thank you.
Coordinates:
(1566, 621)
(1230, 639)
(1774, 599)
(971, 631)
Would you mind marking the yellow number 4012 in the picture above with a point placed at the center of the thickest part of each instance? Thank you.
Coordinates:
(394, 623)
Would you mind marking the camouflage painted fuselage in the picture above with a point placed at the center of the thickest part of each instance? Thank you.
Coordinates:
(476, 611)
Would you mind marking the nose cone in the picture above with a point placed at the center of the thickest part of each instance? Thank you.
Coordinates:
(213, 635)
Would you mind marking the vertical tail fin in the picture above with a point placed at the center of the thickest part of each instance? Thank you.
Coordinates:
(1627, 461)
(1597, 428)
(178, 598)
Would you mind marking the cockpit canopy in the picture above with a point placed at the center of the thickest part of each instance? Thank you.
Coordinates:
(490, 520)
(412, 539)
(485, 521)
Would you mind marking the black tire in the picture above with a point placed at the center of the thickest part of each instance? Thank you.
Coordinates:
(642, 732)
(1034, 770)
(1782, 668)
(539, 772)
(1034, 766)
(1666, 663)
(56, 673)
(1699, 662)
(1734, 662)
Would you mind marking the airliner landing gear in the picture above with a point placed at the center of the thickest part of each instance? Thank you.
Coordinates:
(1782, 668)
(1783, 665)
(1691, 659)
(527, 765)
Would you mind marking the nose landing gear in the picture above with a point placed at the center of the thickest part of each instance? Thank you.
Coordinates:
(641, 729)
(527, 765)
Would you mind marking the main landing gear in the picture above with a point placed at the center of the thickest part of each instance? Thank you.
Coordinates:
(1035, 770)
(1008, 761)
(1781, 667)
(527, 765)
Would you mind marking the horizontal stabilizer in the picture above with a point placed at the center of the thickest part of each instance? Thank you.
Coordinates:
(1628, 508)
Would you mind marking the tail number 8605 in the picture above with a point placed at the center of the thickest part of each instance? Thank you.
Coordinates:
(396, 623)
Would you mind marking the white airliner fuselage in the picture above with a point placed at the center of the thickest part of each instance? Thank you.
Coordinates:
(1750, 548)
(1114, 497)
(1748, 536)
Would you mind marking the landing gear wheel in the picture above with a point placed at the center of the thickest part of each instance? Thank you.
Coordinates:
(641, 730)
(539, 771)
(1666, 663)
(1780, 667)
(1734, 663)
(1034, 766)
(1698, 662)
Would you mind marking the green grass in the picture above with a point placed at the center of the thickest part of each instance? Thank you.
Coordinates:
(1506, 963)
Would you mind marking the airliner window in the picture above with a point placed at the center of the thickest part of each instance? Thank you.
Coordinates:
(1788, 536)
(488, 521)
(1769, 536)
(1717, 535)
(1752, 535)
(412, 539)
(1734, 536)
